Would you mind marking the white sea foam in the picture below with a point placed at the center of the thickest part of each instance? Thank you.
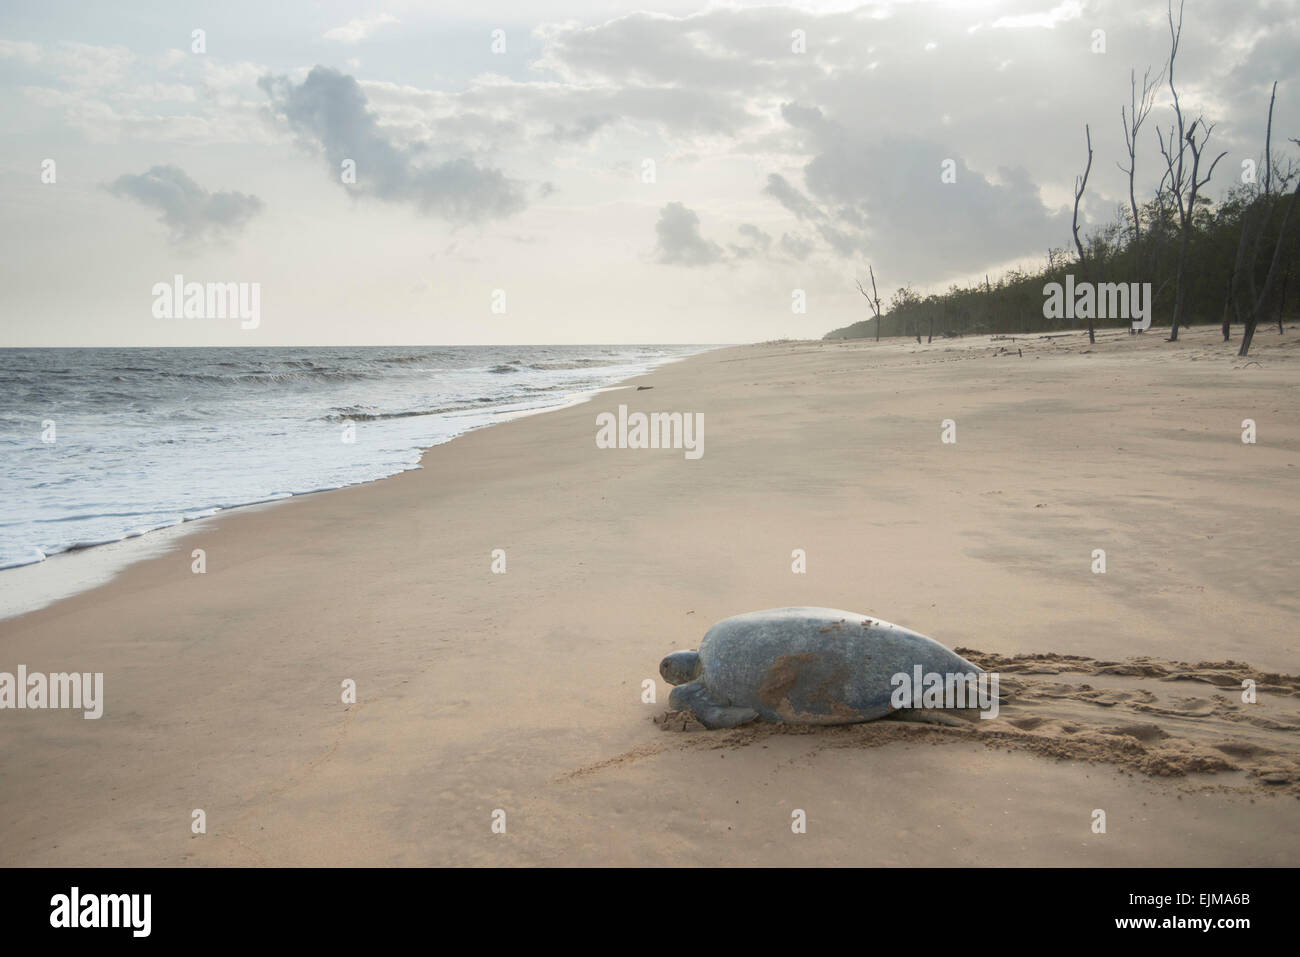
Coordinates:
(149, 439)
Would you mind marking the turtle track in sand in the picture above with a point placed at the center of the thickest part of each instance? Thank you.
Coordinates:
(1164, 719)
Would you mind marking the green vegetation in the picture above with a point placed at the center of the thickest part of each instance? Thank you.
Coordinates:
(1014, 303)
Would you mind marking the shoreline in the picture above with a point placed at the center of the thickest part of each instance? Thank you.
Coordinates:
(34, 585)
(523, 691)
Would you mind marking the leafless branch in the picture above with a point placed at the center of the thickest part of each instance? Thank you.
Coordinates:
(873, 300)
(1081, 184)
(1133, 117)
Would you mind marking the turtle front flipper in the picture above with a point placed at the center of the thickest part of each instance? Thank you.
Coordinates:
(694, 697)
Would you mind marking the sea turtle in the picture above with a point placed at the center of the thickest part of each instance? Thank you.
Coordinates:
(801, 666)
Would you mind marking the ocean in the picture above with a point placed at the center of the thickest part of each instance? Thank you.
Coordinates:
(100, 445)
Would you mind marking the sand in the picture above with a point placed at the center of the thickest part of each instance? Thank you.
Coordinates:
(522, 692)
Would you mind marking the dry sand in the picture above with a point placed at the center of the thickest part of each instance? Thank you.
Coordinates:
(522, 691)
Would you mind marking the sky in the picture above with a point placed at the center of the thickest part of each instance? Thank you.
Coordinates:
(575, 172)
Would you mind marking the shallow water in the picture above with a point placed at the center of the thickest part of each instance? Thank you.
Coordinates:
(99, 445)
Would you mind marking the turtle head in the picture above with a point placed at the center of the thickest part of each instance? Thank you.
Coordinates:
(680, 667)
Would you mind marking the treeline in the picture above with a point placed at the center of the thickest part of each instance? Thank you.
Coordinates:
(1014, 302)
(1234, 262)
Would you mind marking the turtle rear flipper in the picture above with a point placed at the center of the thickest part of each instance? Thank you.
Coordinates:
(694, 697)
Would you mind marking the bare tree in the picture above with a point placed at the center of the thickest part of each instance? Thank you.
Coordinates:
(1281, 302)
(1264, 300)
(1227, 301)
(1250, 304)
(873, 300)
(1133, 118)
(1174, 175)
(1183, 184)
(1268, 183)
(1080, 184)
(1268, 143)
(1252, 231)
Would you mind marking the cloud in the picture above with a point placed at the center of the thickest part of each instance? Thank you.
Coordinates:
(680, 242)
(868, 115)
(835, 151)
(330, 114)
(779, 188)
(192, 213)
(157, 93)
(500, 114)
(354, 31)
(89, 65)
(583, 129)
(20, 50)
(869, 191)
(758, 242)
(83, 65)
(796, 247)
(1069, 10)
(730, 48)
(870, 177)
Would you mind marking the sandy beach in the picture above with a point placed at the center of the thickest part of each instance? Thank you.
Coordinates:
(522, 692)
